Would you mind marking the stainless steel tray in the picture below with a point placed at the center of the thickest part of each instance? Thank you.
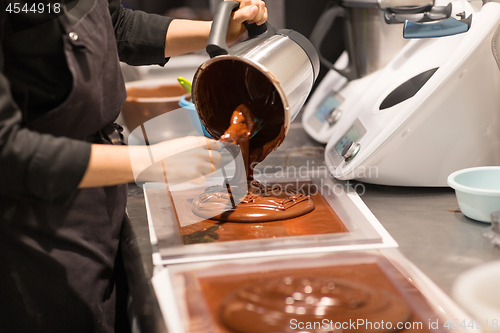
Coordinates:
(168, 215)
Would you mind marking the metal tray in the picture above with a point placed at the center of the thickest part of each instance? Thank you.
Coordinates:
(169, 217)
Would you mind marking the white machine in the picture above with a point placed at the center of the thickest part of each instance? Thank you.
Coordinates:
(372, 36)
(434, 109)
(332, 99)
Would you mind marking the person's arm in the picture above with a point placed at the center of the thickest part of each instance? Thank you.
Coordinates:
(184, 36)
(140, 36)
(184, 159)
(146, 39)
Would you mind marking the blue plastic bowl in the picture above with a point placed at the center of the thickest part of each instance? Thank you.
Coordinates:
(193, 115)
(478, 191)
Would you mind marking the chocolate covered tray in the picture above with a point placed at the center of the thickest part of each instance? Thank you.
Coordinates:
(354, 291)
(322, 220)
(338, 221)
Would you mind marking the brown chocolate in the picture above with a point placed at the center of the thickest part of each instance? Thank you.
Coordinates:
(321, 221)
(241, 128)
(271, 306)
(372, 290)
(225, 84)
(263, 202)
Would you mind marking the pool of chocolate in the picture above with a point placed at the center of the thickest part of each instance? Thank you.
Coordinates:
(263, 203)
(269, 300)
(272, 305)
(322, 220)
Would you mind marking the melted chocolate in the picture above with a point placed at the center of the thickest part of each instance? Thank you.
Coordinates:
(263, 202)
(271, 305)
(227, 83)
(321, 221)
(373, 290)
(241, 128)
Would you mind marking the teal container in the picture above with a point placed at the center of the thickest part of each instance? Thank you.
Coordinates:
(478, 191)
(193, 115)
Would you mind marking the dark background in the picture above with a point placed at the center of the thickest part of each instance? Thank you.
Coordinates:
(298, 15)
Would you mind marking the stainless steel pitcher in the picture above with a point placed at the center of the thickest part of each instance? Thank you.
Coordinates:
(272, 73)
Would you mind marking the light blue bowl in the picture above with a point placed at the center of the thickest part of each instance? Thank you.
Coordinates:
(478, 191)
(193, 115)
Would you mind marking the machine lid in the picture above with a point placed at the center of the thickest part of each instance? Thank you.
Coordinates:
(385, 3)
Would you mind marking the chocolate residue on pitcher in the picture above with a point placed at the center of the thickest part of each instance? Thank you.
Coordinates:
(227, 83)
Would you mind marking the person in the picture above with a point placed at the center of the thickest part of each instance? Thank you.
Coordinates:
(62, 165)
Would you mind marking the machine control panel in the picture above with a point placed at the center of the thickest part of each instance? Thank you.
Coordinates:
(327, 112)
(350, 151)
(334, 117)
(347, 147)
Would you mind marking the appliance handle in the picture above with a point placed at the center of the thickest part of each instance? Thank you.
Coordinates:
(216, 44)
(420, 14)
(448, 27)
(325, 22)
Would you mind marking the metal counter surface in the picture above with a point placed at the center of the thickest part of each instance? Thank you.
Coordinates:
(425, 222)
(431, 231)
(143, 308)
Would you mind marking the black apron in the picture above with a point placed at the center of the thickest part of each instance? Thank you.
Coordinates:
(57, 262)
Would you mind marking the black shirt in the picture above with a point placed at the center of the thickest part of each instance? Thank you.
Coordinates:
(34, 78)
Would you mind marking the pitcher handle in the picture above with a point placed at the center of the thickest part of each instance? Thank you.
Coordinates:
(216, 44)
(320, 30)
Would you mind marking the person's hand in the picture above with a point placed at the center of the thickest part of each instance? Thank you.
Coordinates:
(187, 159)
(251, 11)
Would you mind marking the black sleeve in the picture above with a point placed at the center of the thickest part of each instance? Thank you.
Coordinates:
(34, 164)
(140, 36)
